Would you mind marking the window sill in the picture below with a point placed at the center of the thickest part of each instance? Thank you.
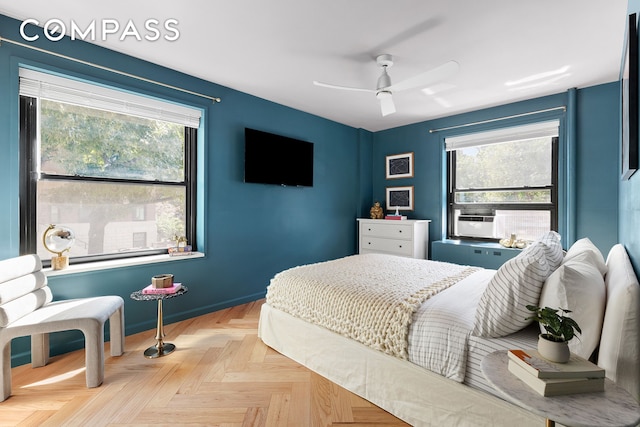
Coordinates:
(118, 263)
(478, 243)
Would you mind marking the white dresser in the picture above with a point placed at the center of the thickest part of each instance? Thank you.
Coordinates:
(407, 237)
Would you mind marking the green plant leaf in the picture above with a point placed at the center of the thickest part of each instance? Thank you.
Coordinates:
(557, 326)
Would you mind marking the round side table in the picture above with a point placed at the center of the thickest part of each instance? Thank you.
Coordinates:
(161, 348)
(612, 407)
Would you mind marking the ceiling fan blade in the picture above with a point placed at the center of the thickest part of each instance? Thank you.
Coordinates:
(330, 86)
(387, 106)
(426, 78)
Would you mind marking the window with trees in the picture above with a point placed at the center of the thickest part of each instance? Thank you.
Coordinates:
(116, 168)
(503, 182)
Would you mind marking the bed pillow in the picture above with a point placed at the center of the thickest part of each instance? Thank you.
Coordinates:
(585, 245)
(619, 345)
(502, 307)
(578, 285)
(552, 249)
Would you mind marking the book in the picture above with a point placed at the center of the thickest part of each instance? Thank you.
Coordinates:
(538, 366)
(395, 217)
(170, 290)
(180, 250)
(556, 386)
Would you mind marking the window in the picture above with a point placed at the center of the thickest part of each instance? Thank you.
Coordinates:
(116, 168)
(503, 182)
(139, 213)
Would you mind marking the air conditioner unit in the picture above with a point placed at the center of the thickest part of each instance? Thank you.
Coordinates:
(476, 226)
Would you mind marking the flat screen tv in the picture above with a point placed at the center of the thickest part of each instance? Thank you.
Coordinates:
(275, 159)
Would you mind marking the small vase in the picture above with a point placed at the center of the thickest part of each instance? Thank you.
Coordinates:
(552, 350)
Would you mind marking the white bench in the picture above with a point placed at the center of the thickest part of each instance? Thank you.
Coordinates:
(26, 308)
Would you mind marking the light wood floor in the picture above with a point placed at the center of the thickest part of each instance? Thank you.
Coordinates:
(221, 374)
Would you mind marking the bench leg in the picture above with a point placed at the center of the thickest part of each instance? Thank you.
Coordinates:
(116, 332)
(39, 350)
(5, 370)
(94, 353)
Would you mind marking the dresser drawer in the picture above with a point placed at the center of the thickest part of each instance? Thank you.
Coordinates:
(387, 230)
(392, 246)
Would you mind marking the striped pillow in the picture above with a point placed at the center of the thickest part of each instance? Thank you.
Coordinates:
(502, 307)
(552, 249)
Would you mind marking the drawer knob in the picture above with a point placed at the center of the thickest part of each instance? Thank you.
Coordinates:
(399, 231)
(400, 246)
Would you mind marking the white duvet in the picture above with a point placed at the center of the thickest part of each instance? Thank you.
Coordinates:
(439, 333)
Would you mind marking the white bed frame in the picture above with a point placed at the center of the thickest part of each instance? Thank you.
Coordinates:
(411, 393)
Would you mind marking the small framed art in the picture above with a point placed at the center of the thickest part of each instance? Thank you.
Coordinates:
(629, 113)
(400, 198)
(400, 166)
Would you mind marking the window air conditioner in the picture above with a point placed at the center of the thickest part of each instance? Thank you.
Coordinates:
(476, 226)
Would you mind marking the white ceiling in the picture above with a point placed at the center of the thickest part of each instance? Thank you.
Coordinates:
(508, 50)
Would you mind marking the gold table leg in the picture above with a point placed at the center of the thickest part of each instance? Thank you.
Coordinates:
(161, 348)
(550, 423)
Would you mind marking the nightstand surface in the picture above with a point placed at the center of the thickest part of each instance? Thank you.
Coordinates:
(613, 407)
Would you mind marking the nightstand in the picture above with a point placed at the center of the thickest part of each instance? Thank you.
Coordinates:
(613, 407)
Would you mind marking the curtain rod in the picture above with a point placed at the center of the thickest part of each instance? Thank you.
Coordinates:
(563, 108)
(122, 73)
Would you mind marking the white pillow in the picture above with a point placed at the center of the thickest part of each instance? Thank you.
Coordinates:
(578, 285)
(585, 245)
(502, 307)
(619, 345)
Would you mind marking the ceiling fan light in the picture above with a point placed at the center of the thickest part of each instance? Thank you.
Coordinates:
(383, 94)
(387, 106)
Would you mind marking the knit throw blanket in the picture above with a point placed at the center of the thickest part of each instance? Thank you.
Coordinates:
(370, 297)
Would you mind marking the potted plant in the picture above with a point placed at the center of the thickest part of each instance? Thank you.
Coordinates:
(560, 329)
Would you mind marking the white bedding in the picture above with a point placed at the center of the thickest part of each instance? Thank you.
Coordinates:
(411, 393)
(439, 333)
(441, 341)
(369, 297)
(440, 337)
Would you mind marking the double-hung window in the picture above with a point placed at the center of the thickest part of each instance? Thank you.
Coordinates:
(117, 168)
(503, 182)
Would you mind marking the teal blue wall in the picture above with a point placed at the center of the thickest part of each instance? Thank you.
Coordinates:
(589, 158)
(629, 207)
(597, 164)
(249, 231)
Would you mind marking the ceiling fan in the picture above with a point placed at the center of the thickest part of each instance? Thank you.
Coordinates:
(384, 89)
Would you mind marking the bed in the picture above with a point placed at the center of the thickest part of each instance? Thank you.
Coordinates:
(413, 345)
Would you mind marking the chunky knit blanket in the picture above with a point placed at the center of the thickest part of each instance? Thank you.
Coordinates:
(370, 297)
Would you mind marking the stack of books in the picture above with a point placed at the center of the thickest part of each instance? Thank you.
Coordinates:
(548, 378)
(180, 250)
(170, 290)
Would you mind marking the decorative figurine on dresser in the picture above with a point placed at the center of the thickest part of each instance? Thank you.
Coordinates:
(376, 211)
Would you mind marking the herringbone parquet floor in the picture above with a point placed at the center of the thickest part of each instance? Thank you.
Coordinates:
(221, 374)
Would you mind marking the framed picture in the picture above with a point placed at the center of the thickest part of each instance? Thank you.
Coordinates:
(630, 102)
(400, 166)
(400, 198)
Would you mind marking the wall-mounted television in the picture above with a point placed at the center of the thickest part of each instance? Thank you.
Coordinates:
(276, 159)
